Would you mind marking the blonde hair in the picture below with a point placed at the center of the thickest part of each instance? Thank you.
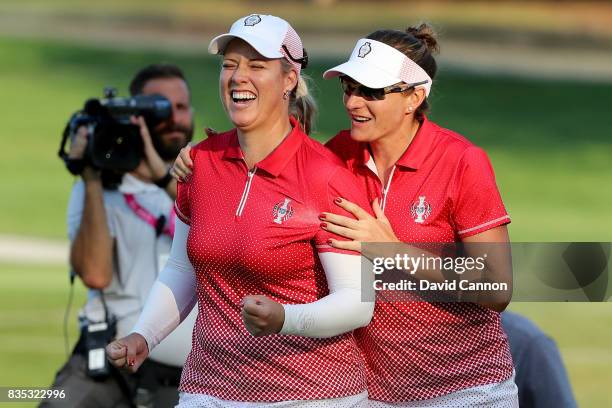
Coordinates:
(301, 104)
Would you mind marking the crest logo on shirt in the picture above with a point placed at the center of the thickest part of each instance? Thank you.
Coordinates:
(252, 20)
(364, 50)
(282, 211)
(420, 210)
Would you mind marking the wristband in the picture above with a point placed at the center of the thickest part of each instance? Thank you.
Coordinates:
(164, 181)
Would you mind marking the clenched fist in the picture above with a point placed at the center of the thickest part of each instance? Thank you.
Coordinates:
(262, 316)
(128, 352)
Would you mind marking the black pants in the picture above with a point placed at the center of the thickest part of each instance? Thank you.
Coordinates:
(154, 385)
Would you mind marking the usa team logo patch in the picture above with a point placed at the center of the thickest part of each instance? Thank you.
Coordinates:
(282, 211)
(252, 20)
(364, 50)
(420, 210)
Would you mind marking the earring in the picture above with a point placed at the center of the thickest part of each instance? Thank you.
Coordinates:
(286, 95)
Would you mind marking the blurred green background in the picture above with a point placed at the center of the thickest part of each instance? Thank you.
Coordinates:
(547, 131)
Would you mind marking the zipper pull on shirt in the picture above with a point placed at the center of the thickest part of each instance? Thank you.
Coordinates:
(385, 190)
(245, 193)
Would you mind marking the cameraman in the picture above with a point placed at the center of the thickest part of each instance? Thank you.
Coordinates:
(121, 237)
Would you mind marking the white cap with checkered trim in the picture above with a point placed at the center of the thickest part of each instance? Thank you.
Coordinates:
(270, 36)
(378, 65)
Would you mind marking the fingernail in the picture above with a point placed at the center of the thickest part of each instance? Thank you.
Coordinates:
(322, 217)
(324, 225)
(338, 200)
(131, 363)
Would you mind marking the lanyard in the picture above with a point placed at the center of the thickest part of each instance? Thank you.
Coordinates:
(159, 224)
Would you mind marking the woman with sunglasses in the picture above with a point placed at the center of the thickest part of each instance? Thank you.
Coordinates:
(428, 185)
(249, 248)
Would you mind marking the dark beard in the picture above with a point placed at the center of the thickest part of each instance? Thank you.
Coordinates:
(168, 151)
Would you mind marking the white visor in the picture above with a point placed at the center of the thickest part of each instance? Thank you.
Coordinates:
(266, 34)
(378, 65)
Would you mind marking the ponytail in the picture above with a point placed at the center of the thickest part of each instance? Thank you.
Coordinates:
(301, 103)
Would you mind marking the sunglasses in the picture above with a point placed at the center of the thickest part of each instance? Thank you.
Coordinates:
(351, 87)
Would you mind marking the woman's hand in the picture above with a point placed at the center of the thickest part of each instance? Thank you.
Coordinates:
(363, 229)
(262, 316)
(128, 352)
(183, 165)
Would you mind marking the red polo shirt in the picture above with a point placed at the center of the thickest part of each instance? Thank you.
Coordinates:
(442, 189)
(257, 232)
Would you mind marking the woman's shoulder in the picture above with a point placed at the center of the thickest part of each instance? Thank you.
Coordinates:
(343, 146)
(327, 172)
(449, 138)
(323, 164)
(215, 142)
(451, 148)
(320, 155)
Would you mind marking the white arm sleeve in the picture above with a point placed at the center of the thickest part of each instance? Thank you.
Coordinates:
(339, 312)
(172, 296)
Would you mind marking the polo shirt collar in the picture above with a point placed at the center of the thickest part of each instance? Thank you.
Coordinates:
(232, 150)
(417, 151)
(276, 161)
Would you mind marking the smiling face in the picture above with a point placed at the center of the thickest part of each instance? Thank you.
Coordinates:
(373, 119)
(252, 87)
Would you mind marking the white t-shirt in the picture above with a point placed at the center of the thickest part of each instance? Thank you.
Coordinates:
(138, 257)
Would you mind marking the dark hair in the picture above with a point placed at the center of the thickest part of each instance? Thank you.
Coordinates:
(154, 71)
(417, 43)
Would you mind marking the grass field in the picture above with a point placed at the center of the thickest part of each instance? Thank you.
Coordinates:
(549, 143)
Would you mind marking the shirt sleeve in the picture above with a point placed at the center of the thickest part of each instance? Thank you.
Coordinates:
(343, 184)
(182, 205)
(172, 296)
(477, 204)
(76, 204)
(341, 311)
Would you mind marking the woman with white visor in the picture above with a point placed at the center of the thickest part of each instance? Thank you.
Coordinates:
(249, 247)
(428, 185)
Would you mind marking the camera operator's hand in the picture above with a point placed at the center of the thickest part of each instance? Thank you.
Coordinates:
(155, 165)
(154, 162)
(77, 151)
(78, 144)
(128, 352)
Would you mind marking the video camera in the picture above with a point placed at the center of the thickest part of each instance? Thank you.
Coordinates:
(114, 142)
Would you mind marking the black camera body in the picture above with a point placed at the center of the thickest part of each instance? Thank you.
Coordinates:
(114, 142)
